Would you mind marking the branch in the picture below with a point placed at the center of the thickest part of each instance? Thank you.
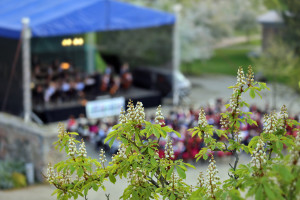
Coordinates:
(107, 196)
(270, 153)
(153, 181)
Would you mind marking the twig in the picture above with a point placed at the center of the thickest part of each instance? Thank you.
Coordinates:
(107, 196)
(153, 181)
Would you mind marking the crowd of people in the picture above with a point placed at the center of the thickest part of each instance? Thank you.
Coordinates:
(62, 82)
(186, 146)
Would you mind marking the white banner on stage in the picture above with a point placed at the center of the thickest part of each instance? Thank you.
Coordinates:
(104, 107)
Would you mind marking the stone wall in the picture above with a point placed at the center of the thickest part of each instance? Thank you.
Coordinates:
(28, 142)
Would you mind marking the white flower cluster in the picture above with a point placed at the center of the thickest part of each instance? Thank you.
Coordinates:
(61, 130)
(51, 175)
(270, 123)
(134, 176)
(283, 112)
(201, 180)
(122, 117)
(61, 178)
(64, 178)
(102, 157)
(202, 122)
(121, 153)
(169, 153)
(295, 150)
(136, 113)
(224, 122)
(130, 111)
(283, 116)
(234, 101)
(250, 76)
(240, 77)
(212, 179)
(72, 147)
(159, 119)
(175, 181)
(139, 112)
(259, 156)
(82, 150)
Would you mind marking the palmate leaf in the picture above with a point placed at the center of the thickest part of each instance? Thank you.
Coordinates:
(181, 172)
(110, 135)
(202, 153)
(252, 93)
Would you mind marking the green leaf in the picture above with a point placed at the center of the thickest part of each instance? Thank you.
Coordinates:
(95, 186)
(259, 193)
(112, 141)
(263, 85)
(253, 141)
(252, 93)
(73, 133)
(153, 161)
(112, 178)
(181, 172)
(80, 172)
(110, 135)
(189, 165)
(72, 169)
(170, 172)
(172, 196)
(269, 192)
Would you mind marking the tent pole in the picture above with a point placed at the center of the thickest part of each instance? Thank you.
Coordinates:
(26, 35)
(90, 44)
(176, 52)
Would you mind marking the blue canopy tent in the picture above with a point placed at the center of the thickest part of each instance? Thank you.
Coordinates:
(64, 17)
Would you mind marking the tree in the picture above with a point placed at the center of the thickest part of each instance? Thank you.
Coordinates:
(205, 22)
(291, 18)
(279, 60)
(152, 177)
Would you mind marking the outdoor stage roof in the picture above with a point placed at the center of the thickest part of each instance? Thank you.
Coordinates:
(68, 17)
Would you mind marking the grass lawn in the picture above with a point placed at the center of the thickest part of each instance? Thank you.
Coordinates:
(225, 61)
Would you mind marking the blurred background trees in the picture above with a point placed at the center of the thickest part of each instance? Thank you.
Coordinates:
(206, 22)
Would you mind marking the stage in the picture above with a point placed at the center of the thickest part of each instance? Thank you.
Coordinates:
(61, 111)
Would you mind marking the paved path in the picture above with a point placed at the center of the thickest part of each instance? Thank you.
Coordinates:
(235, 40)
(205, 90)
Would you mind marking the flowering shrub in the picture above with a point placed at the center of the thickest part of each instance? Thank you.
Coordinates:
(273, 173)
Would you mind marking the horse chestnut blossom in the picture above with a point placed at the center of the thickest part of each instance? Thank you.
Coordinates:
(51, 176)
(122, 117)
(202, 122)
(270, 123)
(200, 179)
(169, 153)
(102, 157)
(139, 112)
(240, 77)
(130, 111)
(295, 151)
(72, 147)
(283, 116)
(82, 150)
(259, 156)
(121, 153)
(212, 179)
(250, 76)
(159, 119)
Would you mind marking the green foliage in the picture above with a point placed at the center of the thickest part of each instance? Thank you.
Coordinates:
(224, 60)
(19, 180)
(271, 174)
(12, 174)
